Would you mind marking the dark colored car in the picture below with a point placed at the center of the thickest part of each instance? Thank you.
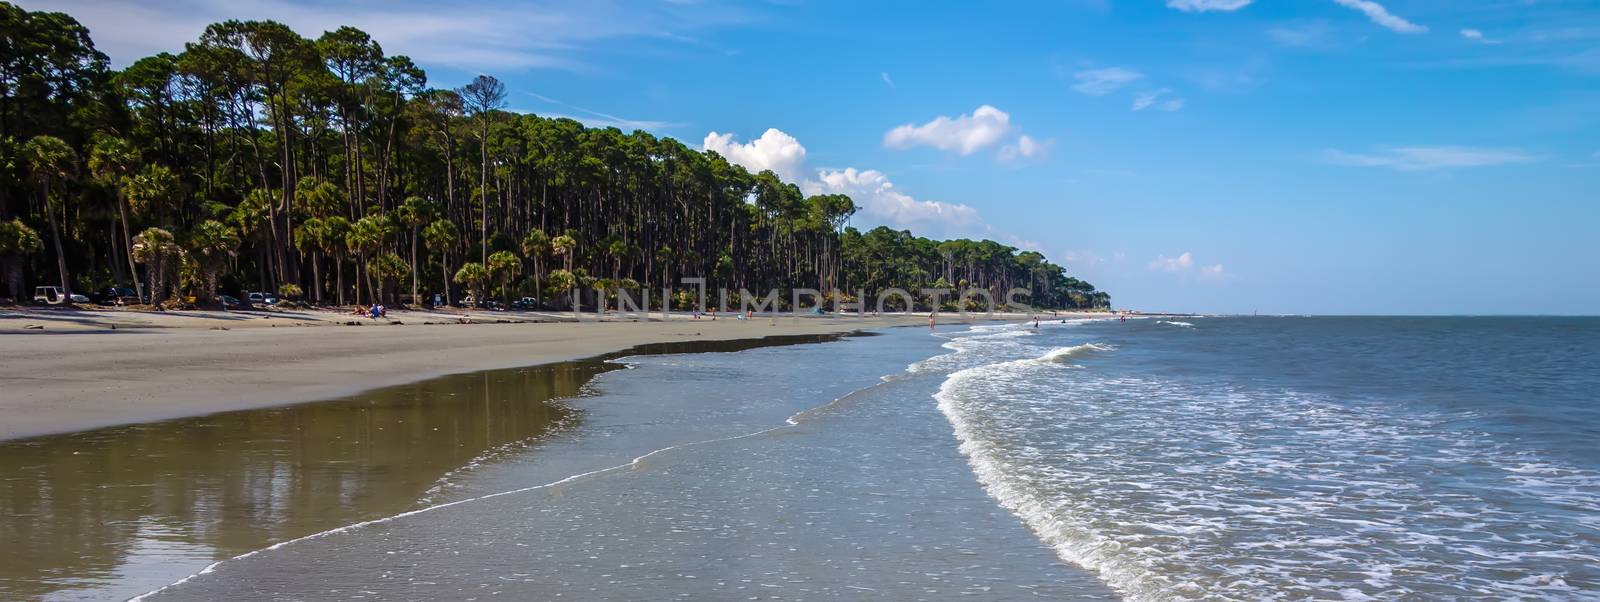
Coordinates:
(113, 295)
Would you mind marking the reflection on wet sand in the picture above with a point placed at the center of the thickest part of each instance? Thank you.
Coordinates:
(106, 513)
(87, 510)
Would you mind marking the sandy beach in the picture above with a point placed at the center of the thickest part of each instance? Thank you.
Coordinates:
(88, 369)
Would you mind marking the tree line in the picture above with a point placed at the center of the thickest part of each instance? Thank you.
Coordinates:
(330, 172)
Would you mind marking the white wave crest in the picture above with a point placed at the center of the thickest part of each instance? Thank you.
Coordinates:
(1062, 355)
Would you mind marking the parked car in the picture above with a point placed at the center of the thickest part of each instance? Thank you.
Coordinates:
(113, 295)
(525, 303)
(229, 301)
(262, 298)
(54, 295)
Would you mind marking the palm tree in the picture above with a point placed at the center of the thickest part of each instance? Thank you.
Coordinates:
(155, 248)
(564, 245)
(367, 236)
(333, 241)
(49, 161)
(535, 246)
(504, 265)
(17, 241)
(473, 275)
(388, 267)
(562, 281)
(441, 236)
(415, 213)
(112, 162)
(308, 239)
(153, 191)
(618, 250)
(212, 244)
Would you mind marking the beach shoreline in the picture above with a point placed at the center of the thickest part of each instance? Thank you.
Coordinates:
(88, 369)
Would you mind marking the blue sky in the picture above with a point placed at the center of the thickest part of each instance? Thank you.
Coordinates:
(1281, 156)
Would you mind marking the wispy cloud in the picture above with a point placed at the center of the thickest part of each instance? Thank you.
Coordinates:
(1477, 36)
(1306, 34)
(1200, 6)
(496, 36)
(1382, 16)
(598, 119)
(887, 81)
(1422, 158)
(1159, 99)
(1103, 81)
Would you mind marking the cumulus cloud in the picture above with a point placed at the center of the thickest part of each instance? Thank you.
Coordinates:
(873, 192)
(1103, 81)
(1159, 99)
(1200, 6)
(774, 150)
(878, 197)
(1212, 271)
(1421, 158)
(964, 134)
(1382, 16)
(1026, 147)
(1181, 263)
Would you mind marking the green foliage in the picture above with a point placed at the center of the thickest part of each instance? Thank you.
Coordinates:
(331, 155)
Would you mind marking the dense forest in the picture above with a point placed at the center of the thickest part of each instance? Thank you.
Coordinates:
(329, 172)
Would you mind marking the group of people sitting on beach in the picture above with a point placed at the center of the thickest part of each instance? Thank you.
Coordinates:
(374, 312)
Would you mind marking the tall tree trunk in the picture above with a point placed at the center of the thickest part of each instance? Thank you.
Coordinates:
(55, 239)
(127, 244)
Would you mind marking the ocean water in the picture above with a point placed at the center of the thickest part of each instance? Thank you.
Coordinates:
(1321, 458)
(1199, 458)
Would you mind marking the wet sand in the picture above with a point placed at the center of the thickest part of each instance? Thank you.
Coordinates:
(108, 513)
(63, 380)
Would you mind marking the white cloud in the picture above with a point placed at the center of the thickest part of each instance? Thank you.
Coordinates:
(1420, 158)
(887, 81)
(774, 150)
(872, 191)
(1026, 147)
(878, 197)
(1159, 99)
(1382, 16)
(1477, 36)
(1181, 263)
(1100, 82)
(965, 134)
(1200, 6)
(486, 37)
(1184, 264)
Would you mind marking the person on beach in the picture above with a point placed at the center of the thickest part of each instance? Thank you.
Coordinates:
(930, 321)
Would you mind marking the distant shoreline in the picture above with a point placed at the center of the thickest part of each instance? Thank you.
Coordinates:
(88, 369)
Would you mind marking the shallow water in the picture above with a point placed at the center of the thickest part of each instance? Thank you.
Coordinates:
(774, 473)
